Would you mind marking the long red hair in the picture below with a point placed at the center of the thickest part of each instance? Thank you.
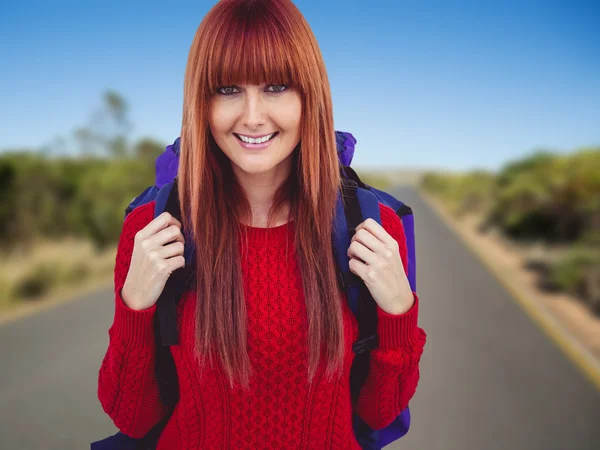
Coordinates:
(255, 42)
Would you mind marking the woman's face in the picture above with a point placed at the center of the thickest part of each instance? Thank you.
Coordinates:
(241, 117)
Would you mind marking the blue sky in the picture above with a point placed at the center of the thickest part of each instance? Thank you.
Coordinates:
(454, 85)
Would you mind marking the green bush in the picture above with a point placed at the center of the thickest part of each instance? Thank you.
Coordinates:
(102, 199)
(549, 196)
(58, 197)
(590, 238)
(545, 196)
(567, 272)
(37, 282)
(579, 273)
(436, 183)
(470, 192)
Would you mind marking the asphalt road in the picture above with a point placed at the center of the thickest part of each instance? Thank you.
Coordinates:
(490, 379)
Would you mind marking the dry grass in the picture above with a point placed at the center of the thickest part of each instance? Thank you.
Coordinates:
(50, 268)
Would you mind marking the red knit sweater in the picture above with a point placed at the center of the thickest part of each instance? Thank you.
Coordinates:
(279, 411)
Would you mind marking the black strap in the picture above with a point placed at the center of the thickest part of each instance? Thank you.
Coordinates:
(404, 210)
(349, 174)
(366, 309)
(165, 319)
(150, 440)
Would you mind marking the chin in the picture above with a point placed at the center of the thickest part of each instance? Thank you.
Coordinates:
(255, 168)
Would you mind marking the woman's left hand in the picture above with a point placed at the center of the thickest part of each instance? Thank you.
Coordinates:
(375, 258)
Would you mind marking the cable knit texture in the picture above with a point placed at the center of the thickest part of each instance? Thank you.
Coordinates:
(280, 410)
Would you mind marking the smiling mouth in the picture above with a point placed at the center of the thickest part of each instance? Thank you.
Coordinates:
(254, 141)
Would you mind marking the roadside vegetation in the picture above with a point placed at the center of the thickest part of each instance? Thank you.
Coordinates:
(546, 199)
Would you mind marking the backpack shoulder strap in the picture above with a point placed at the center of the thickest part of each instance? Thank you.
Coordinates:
(165, 319)
(367, 199)
(146, 196)
(404, 212)
(354, 205)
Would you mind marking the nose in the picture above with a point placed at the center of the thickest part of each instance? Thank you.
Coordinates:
(254, 114)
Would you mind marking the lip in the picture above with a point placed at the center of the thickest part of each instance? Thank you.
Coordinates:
(255, 136)
(260, 146)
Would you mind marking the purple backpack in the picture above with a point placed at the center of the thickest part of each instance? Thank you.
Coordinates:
(361, 202)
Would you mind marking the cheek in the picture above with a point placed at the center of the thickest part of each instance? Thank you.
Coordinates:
(290, 115)
(220, 120)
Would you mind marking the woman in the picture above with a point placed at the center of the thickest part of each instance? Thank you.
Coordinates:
(266, 337)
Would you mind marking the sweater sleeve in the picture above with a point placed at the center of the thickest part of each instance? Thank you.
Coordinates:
(127, 386)
(394, 365)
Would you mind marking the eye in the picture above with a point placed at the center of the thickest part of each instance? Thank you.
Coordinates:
(278, 88)
(226, 90)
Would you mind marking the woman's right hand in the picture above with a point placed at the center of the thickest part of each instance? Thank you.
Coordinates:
(157, 253)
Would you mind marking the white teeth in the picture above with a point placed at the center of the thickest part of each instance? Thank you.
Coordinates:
(250, 140)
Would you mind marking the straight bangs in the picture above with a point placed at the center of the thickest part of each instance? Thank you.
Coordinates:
(253, 48)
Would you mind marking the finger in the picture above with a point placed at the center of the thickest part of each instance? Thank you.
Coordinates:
(176, 262)
(366, 238)
(358, 268)
(358, 250)
(161, 222)
(168, 235)
(377, 230)
(171, 250)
